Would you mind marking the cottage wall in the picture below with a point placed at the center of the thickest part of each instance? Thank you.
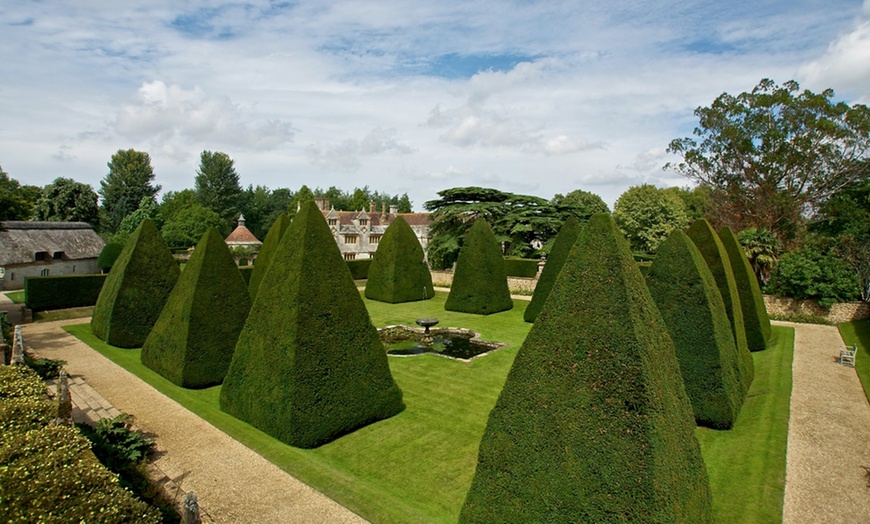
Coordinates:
(15, 274)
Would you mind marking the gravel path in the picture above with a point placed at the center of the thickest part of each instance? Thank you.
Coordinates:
(828, 434)
(233, 484)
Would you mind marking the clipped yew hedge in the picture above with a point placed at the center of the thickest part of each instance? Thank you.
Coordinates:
(399, 273)
(558, 254)
(521, 267)
(755, 318)
(193, 341)
(690, 303)
(359, 269)
(267, 251)
(479, 280)
(309, 365)
(61, 292)
(109, 255)
(713, 251)
(246, 272)
(135, 290)
(593, 423)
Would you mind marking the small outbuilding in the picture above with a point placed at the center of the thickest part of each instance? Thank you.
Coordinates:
(243, 244)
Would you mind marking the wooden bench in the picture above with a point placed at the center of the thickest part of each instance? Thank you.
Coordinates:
(847, 356)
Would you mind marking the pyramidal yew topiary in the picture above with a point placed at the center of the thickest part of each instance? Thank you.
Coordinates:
(558, 254)
(593, 423)
(193, 340)
(135, 290)
(755, 318)
(690, 303)
(267, 251)
(479, 281)
(398, 273)
(711, 248)
(309, 365)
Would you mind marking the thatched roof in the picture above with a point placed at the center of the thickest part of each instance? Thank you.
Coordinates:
(20, 241)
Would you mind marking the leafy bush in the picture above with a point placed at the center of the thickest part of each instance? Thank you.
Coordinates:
(136, 289)
(561, 249)
(479, 281)
(193, 340)
(267, 251)
(593, 423)
(359, 269)
(521, 267)
(808, 274)
(46, 368)
(117, 444)
(109, 255)
(398, 272)
(43, 293)
(690, 303)
(755, 318)
(309, 365)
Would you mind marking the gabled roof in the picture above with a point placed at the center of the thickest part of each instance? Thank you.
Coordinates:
(346, 218)
(21, 240)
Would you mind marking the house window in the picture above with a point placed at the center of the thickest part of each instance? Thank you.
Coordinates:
(350, 256)
(332, 221)
(374, 239)
(57, 255)
(44, 272)
(350, 239)
(40, 255)
(363, 221)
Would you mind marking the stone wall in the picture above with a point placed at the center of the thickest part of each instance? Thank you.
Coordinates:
(845, 312)
(517, 285)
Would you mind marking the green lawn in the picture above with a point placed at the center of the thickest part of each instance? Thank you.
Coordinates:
(417, 466)
(858, 332)
(16, 296)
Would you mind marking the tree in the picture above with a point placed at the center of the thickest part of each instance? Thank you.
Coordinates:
(808, 273)
(174, 202)
(16, 201)
(262, 206)
(217, 185)
(698, 200)
(646, 215)
(147, 209)
(66, 200)
(762, 248)
(774, 154)
(585, 203)
(299, 199)
(189, 225)
(130, 178)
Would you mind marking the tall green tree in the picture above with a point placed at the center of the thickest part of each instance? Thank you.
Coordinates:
(66, 200)
(299, 199)
(698, 200)
(774, 153)
(585, 203)
(187, 227)
(646, 215)
(16, 201)
(130, 178)
(174, 202)
(148, 208)
(217, 185)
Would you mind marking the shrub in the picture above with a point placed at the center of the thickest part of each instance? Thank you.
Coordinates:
(521, 267)
(43, 293)
(193, 340)
(593, 423)
(309, 365)
(136, 289)
(561, 248)
(359, 269)
(398, 272)
(808, 274)
(479, 281)
(246, 273)
(109, 255)
(690, 303)
(755, 319)
(267, 251)
(711, 248)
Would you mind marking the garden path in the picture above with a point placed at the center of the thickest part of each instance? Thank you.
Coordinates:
(828, 449)
(233, 484)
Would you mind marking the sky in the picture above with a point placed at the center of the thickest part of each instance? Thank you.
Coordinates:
(412, 97)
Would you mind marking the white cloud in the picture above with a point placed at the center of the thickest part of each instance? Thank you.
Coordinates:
(845, 64)
(346, 155)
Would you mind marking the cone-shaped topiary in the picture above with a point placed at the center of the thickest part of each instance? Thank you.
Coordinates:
(755, 318)
(267, 251)
(558, 254)
(398, 272)
(711, 248)
(690, 303)
(593, 423)
(309, 365)
(135, 290)
(193, 340)
(479, 281)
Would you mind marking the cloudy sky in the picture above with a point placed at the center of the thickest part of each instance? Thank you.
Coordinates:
(403, 96)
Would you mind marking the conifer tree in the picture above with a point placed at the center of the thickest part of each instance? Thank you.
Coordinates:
(398, 272)
(479, 281)
(561, 248)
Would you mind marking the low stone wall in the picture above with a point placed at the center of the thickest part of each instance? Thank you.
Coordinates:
(517, 285)
(839, 313)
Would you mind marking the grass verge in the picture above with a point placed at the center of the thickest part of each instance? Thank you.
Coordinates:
(16, 296)
(858, 333)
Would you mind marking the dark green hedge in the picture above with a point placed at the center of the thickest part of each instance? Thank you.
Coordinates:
(136, 289)
(43, 293)
(713, 251)
(593, 423)
(359, 269)
(398, 272)
(558, 254)
(521, 267)
(109, 255)
(755, 318)
(309, 365)
(690, 303)
(267, 251)
(193, 340)
(479, 280)
(246, 272)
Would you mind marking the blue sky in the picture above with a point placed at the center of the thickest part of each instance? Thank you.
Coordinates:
(403, 96)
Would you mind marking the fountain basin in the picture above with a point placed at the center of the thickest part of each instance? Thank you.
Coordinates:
(455, 343)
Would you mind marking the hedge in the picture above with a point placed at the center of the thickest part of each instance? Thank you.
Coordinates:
(48, 472)
(690, 303)
(479, 280)
(309, 365)
(246, 272)
(359, 269)
(267, 251)
(399, 272)
(755, 318)
(593, 423)
(713, 251)
(193, 340)
(43, 293)
(136, 289)
(521, 267)
(109, 255)
(558, 254)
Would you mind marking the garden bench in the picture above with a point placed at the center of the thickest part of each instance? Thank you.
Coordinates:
(847, 356)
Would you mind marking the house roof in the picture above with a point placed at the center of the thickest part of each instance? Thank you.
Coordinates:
(346, 218)
(242, 235)
(20, 240)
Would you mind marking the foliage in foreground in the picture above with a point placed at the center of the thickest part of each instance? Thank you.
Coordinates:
(479, 281)
(561, 249)
(399, 272)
